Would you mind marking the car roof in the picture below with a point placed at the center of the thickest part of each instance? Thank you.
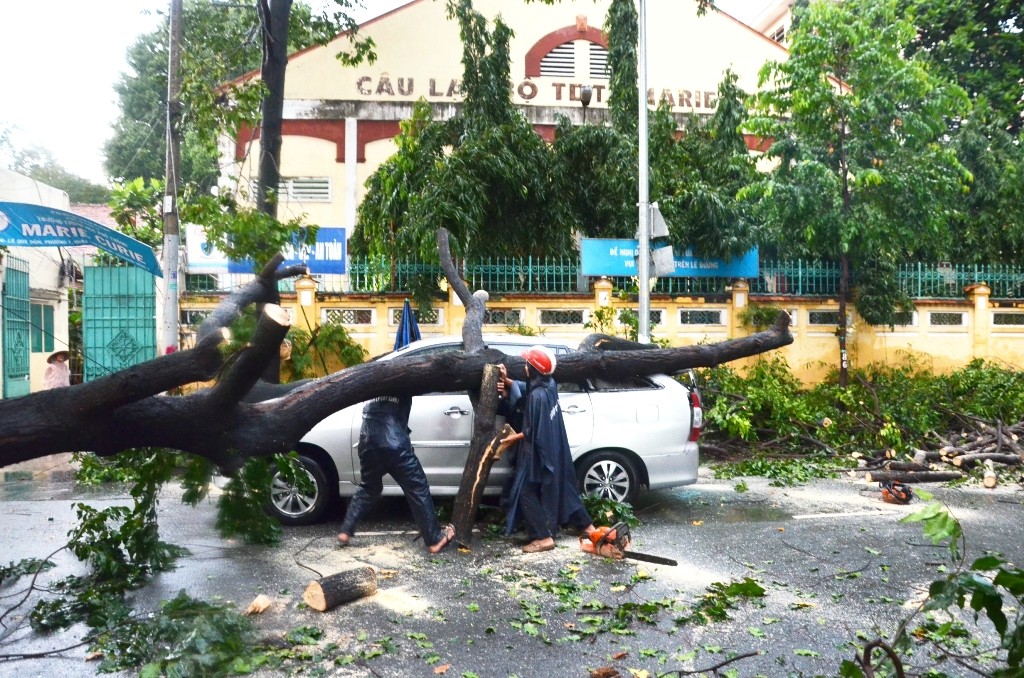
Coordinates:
(519, 339)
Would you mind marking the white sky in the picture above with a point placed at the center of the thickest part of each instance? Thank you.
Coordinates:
(61, 59)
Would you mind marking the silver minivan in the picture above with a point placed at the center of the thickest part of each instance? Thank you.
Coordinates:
(624, 434)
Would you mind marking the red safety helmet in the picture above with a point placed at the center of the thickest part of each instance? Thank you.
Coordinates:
(540, 358)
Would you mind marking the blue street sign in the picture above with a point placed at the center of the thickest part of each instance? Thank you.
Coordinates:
(25, 225)
(325, 257)
(605, 256)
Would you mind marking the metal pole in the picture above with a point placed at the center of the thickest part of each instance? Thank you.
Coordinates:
(644, 251)
(172, 236)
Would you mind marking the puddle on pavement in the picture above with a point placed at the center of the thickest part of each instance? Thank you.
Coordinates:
(24, 486)
(689, 505)
(754, 513)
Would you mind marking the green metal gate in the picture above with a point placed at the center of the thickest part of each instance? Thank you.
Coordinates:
(17, 328)
(118, 319)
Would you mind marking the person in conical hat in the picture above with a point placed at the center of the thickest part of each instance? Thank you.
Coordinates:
(58, 372)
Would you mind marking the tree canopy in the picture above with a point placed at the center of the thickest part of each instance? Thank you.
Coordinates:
(39, 163)
(221, 43)
(863, 175)
(978, 45)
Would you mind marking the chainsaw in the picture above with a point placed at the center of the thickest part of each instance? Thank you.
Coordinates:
(895, 492)
(614, 541)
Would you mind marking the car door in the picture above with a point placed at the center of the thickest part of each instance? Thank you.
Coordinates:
(577, 413)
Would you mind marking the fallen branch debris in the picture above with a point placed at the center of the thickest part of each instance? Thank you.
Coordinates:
(994, 448)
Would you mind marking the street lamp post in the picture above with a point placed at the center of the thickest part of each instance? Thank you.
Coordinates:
(643, 234)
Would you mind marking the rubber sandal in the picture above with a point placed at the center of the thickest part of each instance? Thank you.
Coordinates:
(534, 547)
(449, 536)
(343, 542)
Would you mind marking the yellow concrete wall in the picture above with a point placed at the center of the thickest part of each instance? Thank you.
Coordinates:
(813, 354)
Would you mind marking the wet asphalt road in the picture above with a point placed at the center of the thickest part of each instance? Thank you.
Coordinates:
(835, 563)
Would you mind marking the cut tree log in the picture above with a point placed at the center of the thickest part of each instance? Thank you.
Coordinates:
(968, 460)
(905, 466)
(912, 477)
(329, 592)
(990, 479)
(259, 605)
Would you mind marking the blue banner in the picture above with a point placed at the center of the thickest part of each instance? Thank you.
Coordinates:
(604, 256)
(25, 225)
(326, 257)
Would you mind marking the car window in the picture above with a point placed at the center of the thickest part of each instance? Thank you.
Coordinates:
(509, 349)
(436, 349)
(622, 384)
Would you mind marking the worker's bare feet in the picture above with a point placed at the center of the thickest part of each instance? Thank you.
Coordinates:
(448, 532)
(343, 539)
(539, 545)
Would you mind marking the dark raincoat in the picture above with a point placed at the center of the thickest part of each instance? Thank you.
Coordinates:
(544, 459)
(385, 448)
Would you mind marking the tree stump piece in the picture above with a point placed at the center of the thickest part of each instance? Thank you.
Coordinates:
(334, 590)
(990, 479)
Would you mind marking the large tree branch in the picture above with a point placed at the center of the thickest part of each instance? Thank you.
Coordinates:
(124, 410)
(204, 423)
(472, 328)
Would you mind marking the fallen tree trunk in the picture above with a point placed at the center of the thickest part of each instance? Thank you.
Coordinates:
(128, 409)
(912, 477)
(329, 592)
(904, 466)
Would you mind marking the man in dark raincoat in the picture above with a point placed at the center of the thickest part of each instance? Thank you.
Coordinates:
(544, 493)
(384, 447)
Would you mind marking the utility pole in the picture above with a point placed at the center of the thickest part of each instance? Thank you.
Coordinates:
(172, 233)
(643, 264)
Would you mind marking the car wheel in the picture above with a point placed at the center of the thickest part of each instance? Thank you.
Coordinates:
(609, 475)
(294, 506)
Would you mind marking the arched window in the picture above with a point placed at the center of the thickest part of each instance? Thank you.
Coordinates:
(561, 61)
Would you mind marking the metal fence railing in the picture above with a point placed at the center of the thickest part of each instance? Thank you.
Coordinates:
(561, 275)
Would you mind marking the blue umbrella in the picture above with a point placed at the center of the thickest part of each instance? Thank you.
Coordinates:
(408, 330)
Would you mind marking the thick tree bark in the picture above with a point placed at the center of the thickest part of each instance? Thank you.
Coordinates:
(473, 483)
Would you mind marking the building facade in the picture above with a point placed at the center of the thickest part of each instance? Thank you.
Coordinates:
(35, 294)
(340, 122)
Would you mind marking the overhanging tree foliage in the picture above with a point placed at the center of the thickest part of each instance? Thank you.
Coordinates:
(221, 43)
(978, 45)
(484, 175)
(863, 174)
(988, 226)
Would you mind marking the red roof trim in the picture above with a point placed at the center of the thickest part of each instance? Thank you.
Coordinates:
(556, 38)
